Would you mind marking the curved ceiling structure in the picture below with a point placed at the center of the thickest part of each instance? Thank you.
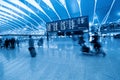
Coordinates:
(32, 15)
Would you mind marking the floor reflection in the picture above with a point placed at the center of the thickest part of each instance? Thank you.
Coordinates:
(1, 71)
(60, 61)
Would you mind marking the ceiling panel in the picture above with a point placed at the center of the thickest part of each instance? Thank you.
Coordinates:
(33, 14)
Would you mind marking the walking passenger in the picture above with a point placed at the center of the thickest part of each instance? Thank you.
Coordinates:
(31, 47)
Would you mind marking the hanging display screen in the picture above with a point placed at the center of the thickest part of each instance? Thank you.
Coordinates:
(78, 23)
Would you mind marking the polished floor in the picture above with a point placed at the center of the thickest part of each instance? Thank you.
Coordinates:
(60, 59)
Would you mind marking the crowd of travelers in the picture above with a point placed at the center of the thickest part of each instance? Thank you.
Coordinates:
(9, 43)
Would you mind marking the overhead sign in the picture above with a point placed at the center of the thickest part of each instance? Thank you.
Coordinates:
(72, 24)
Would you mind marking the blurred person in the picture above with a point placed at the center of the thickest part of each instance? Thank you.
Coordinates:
(97, 45)
(17, 42)
(6, 43)
(40, 42)
(0, 43)
(81, 40)
(13, 43)
(31, 47)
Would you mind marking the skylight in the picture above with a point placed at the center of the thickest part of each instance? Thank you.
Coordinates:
(51, 6)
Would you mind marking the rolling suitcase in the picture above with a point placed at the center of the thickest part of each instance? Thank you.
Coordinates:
(85, 49)
(32, 51)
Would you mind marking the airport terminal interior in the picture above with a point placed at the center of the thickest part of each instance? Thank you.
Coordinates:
(59, 40)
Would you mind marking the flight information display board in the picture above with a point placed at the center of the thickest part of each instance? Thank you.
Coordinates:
(76, 24)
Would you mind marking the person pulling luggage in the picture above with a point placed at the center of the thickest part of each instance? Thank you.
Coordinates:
(31, 47)
(97, 45)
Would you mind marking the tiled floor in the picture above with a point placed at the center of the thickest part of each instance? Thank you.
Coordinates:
(60, 60)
